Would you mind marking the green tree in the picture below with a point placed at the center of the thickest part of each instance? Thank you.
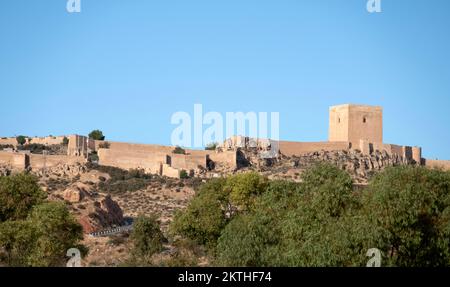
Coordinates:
(34, 232)
(295, 225)
(245, 187)
(205, 216)
(56, 231)
(97, 135)
(147, 238)
(409, 209)
(65, 141)
(17, 239)
(21, 140)
(18, 194)
(41, 240)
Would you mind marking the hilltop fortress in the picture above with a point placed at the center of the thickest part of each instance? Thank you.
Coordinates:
(351, 128)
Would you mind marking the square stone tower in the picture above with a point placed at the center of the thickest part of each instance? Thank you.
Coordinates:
(356, 123)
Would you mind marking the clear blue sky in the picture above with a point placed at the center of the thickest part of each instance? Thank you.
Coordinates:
(126, 66)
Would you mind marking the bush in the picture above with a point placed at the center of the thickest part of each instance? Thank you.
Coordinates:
(33, 148)
(65, 141)
(56, 231)
(105, 145)
(211, 146)
(179, 150)
(3, 146)
(205, 216)
(93, 157)
(97, 135)
(18, 194)
(245, 187)
(147, 238)
(185, 254)
(122, 180)
(409, 208)
(328, 188)
(34, 232)
(184, 174)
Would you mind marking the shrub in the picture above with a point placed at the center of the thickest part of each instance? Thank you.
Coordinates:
(56, 231)
(3, 146)
(147, 238)
(93, 157)
(329, 189)
(179, 150)
(18, 194)
(41, 239)
(245, 187)
(65, 141)
(184, 174)
(205, 216)
(33, 148)
(185, 254)
(211, 146)
(105, 145)
(409, 207)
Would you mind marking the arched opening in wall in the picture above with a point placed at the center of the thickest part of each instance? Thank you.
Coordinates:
(364, 119)
(339, 120)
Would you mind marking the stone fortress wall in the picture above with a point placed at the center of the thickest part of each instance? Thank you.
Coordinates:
(50, 140)
(356, 127)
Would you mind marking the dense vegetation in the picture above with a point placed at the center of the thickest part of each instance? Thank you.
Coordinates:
(33, 232)
(246, 220)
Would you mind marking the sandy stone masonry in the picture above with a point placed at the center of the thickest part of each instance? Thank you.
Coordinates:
(351, 127)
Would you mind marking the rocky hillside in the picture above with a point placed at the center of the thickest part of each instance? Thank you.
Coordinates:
(360, 166)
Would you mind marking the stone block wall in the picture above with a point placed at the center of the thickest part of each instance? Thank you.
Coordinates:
(39, 161)
(441, 164)
(300, 148)
(15, 160)
(187, 161)
(150, 162)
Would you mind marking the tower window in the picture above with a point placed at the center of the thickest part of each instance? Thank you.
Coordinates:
(364, 120)
(339, 120)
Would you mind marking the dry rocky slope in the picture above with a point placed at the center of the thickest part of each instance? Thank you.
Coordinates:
(360, 166)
